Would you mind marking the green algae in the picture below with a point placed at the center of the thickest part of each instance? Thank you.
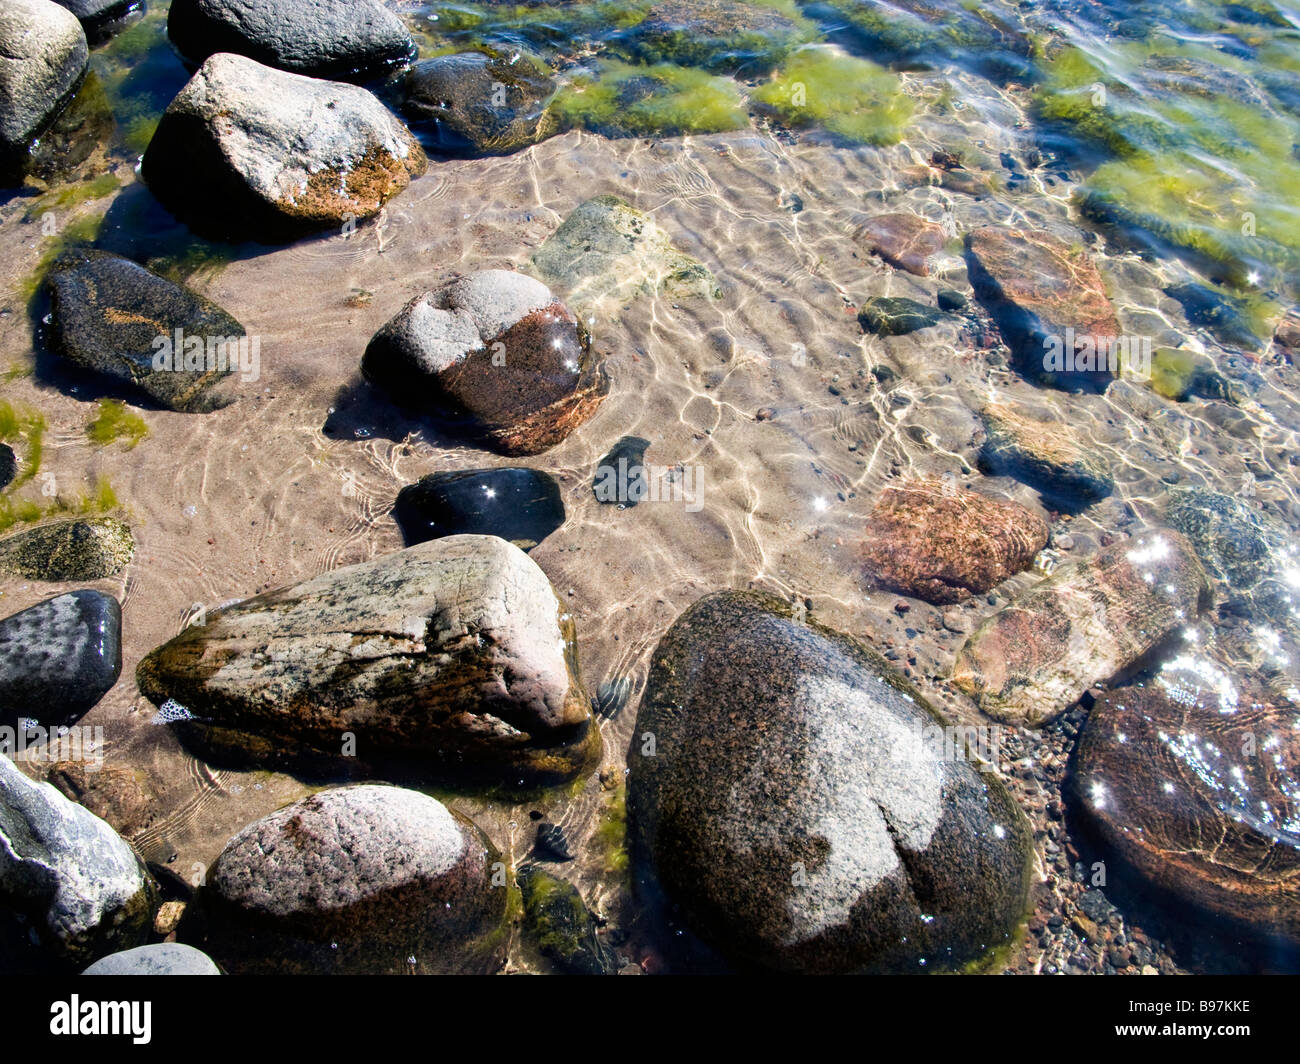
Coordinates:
(100, 500)
(115, 422)
(609, 840)
(80, 232)
(665, 100)
(23, 429)
(852, 98)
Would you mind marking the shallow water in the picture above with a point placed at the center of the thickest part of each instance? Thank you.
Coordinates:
(299, 476)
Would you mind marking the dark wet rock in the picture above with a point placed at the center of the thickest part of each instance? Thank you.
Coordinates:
(1189, 781)
(451, 658)
(496, 357)
(1178, 373)
(161, 958)
(720, 35)
(608, 248)
(59, 657)
(70, 889)
(72, 148)
(903, 240)
(81, 549)
(346, 39)
(43, 55)
(94, 14)
(8, 465)
(791, 812)
(480, 104)
(365, 880)
(951, 300)
(1286, 334)
(1050, 303)
(248, 152)
(611, 697)
(552, 843)
(943, 544)
(522, 506)
(1217, 313)
(558, 924)
(621, 476)
(896, 315)
(1236, 544)
(113, 317)
(1089, 621)
(1046, 455)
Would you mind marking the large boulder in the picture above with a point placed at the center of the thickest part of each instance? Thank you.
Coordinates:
(496, 357)
(112, 317)
(59, 657)
(479, 104)
(785, 798)
(366, 880)
(248, 152)
(1087, 622)
(70, 889)
(1188, 780)
(943, 544)
(451, 658)
(83, 548)
(345, 39)
(43, 55)
(1050, 303)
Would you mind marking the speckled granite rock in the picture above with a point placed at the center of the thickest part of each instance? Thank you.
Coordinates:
(1088, 621)
(161, 958)
(496, 357)
(450, 658)
(59, 657)
(1189, 781)
(248, 152)
(904, 240)
(366, 880)
(1046, 455)
(781, 797)
(82, 549)
(70, 889)
(942, 544)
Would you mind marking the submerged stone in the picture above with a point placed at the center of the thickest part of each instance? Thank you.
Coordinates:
(1046, 455)
(80, 549)
(8, 465)
(621, 477)
(720, 35)
(113, 317)
(558, 923)
(1206, 307)
(782, 797)
(1177, 373)
(905, 241)
(1087, 622)
(522, 506)
(896, 315)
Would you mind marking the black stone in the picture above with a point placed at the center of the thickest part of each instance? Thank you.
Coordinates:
(611, 697)
(896, 316)
(60, 657)
(518, 504)
(951, 300)
(8, 465)
(1206, 307)
(621, 475)
(552, 843)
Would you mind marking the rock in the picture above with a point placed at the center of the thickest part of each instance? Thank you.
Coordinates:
(896, 315)
(720, 35)
(70, 889)
(113, 317)
(1286, 334)
(558, 924)
(161, 958)
(82, 549)
(621, 476)
(43, 54)
(452, 658)
(365, 880)
(95, 14)
(114, 793)
(942, 544)
(353, 40)
(522, 506)
(1046, 455)
(8, 465)
(905, 241)
(1187, 780)
(1219, 314)
(248, 152)
(1049, 301)
(496, 357)
(1177, 373)
(480, 104)
(552, 843)
(59, 657)
(951, 300)
(790, 813)
(607, 249)
(1089, 621)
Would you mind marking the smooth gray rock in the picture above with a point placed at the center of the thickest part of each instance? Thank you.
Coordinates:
(347, 39)
(70, 889)
(357, 880)
(43, 54)
(58, 658)
(161, 958)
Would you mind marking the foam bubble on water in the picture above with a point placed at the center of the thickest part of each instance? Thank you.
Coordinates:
(170, 711)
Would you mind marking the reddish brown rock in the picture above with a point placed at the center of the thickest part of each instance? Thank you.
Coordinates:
(905, 241)
(942, 544)
(496, 357)
(1189, 781)
(1050, 303)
